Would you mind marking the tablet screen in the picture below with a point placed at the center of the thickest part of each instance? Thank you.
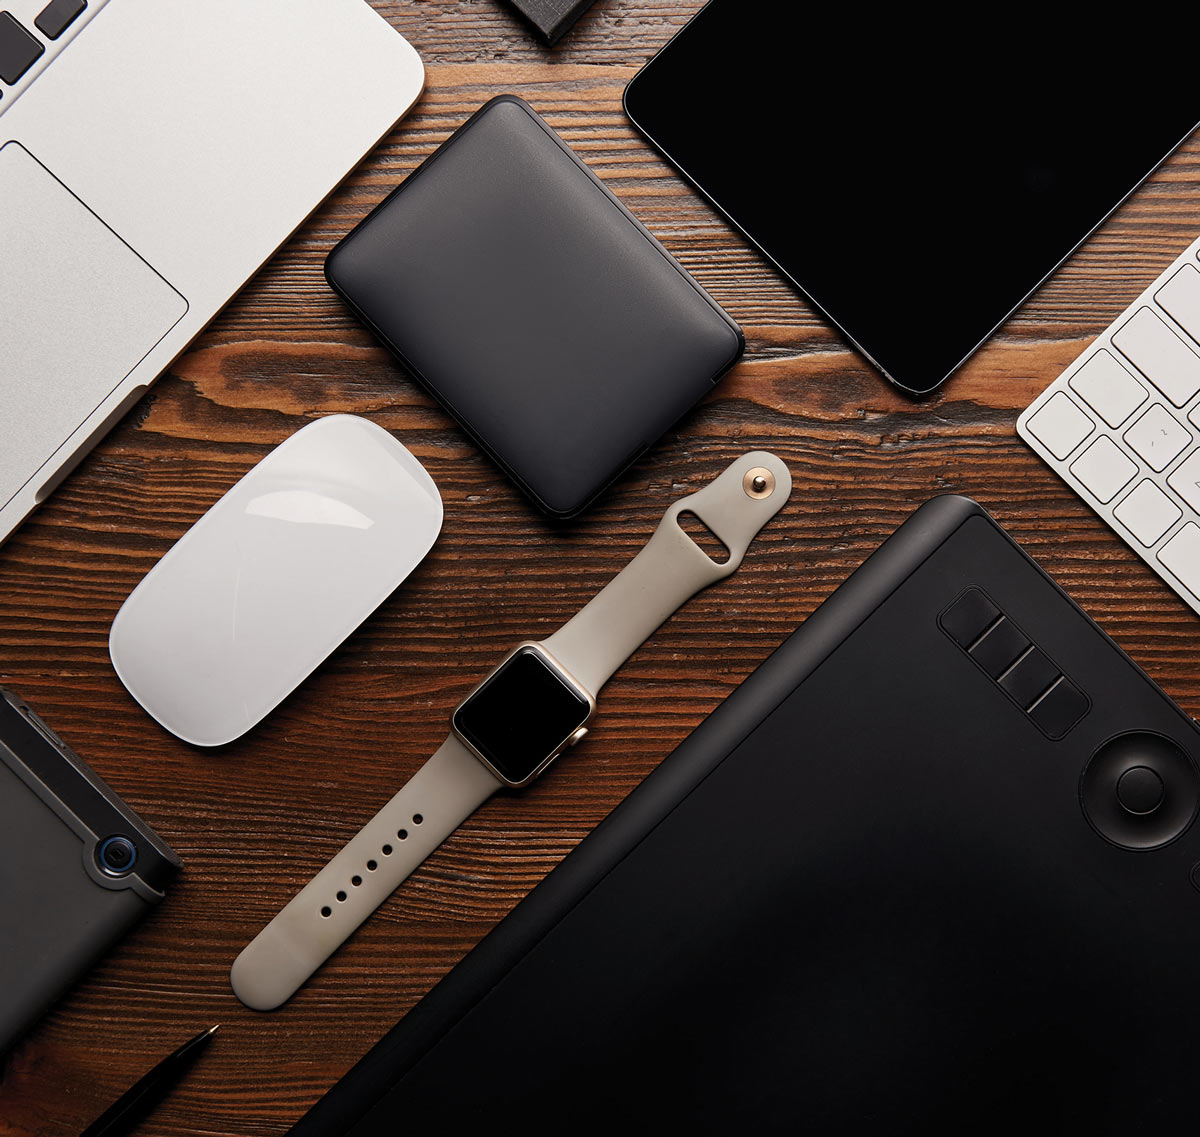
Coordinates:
(915, 180)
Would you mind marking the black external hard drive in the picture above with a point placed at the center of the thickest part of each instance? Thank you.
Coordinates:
(534, 306)
(78, 867)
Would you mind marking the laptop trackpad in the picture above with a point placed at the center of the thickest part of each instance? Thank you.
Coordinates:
(78, 310)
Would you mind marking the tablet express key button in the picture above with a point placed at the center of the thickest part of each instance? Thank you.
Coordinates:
(969, 617)
(1060, 708)
(1000, 648)
(1006, 654)
(1029, 678)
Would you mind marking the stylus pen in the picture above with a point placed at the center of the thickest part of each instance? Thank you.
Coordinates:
(148, 1091)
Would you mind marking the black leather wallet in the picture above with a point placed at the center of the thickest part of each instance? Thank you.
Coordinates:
(534, 306)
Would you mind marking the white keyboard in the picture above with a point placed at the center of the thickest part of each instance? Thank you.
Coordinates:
(1121, 426)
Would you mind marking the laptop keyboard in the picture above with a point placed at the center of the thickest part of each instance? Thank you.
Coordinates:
(1121, 426)
(57, 16)
(21, 48)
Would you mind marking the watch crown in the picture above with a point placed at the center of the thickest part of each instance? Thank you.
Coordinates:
(577, 736)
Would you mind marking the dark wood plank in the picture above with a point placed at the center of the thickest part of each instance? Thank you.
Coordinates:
(254, 821)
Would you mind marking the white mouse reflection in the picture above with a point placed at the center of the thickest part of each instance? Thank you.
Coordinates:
(307, 507)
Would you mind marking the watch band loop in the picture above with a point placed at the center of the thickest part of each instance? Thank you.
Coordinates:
(670, 568)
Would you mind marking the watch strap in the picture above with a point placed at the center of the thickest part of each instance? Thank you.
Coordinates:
(454, 783)
(442, 794)
(671, 567)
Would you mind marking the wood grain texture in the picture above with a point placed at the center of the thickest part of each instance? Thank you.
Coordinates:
(255, 820)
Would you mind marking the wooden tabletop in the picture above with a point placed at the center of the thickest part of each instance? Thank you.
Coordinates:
(254, 821)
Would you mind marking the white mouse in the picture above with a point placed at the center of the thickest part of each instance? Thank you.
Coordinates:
(273, 577)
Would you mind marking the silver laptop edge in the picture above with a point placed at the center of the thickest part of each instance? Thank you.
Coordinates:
(150, 163)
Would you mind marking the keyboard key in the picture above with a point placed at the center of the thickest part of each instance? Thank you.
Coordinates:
(57, 16)
(1060, 425)
(1180, 299)
(1158, 437)
(969, 617)
(1104, 468)
(1029, 677)
(1181, 554)
(1157, 344)
(1060, 708)
(1147, 513)
(19, 48)
(1160, 355)
(1108, 388)
(1185, 481)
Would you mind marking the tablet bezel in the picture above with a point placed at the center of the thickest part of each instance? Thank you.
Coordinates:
(854, 326)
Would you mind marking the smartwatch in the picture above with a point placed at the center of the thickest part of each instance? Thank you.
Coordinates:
(535, 705)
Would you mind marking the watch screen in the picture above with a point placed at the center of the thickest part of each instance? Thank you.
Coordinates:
(521, 715)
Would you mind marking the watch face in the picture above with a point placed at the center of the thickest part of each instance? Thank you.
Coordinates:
(521, 715)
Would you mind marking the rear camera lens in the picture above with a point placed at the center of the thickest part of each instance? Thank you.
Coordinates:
(116, 855)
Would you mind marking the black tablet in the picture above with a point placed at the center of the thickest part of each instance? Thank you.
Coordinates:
(917, 177)
(932, 869)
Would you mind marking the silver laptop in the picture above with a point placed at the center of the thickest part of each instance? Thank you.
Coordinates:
(153, 154)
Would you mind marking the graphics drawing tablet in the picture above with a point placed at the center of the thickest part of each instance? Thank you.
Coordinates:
(930, 869)
(916, 178)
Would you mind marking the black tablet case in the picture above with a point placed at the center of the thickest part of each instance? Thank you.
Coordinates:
(534, 306)
(60, 911)
(861, 898)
